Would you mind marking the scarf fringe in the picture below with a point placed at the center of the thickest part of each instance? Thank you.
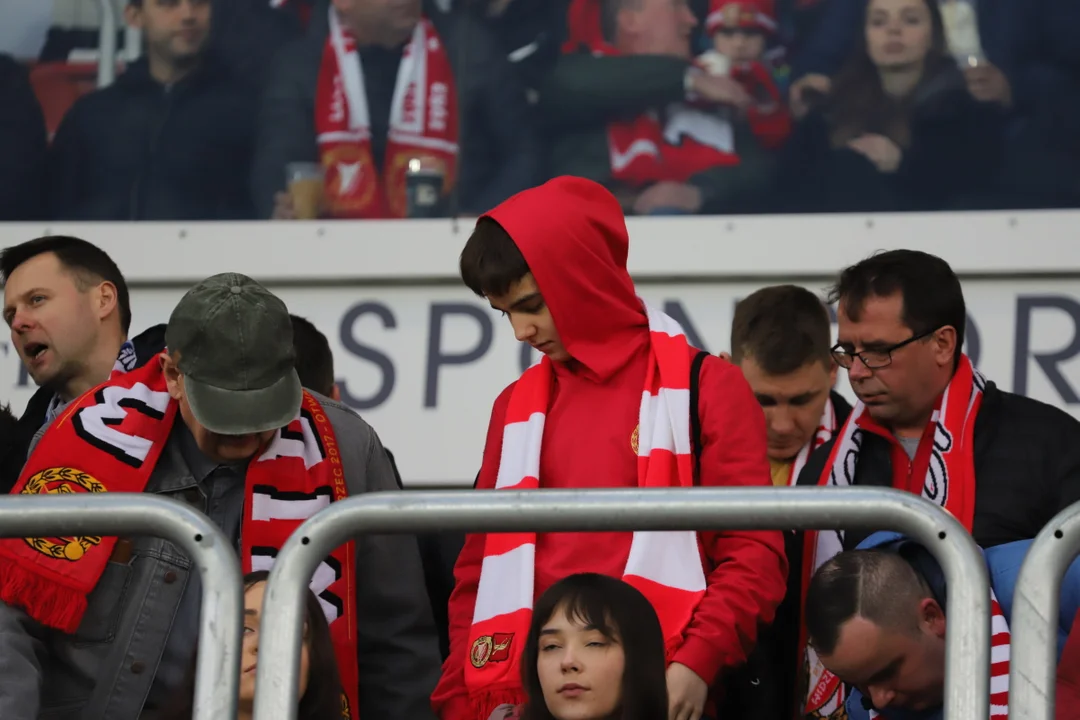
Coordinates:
(485, 702)
(45, 600)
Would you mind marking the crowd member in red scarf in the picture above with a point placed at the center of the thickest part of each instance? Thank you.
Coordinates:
(630, 110)
(928, 422)
(386, 86)
(580, 419)
(780, 339)
(739, 29)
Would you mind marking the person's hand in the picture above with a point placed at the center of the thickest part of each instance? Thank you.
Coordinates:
(687, 693)
(880, 150)
(798, 100)
(667, 194)
(987, 83)
(720, 89)
(283, 207)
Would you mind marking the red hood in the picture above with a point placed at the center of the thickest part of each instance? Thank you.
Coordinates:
(572, 234)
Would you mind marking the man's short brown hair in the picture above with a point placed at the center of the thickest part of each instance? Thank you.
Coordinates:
(783, 327)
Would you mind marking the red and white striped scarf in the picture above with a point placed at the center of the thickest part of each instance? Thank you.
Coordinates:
(949, 482)
(999, 662)
(423, 123)
(825, 430)
(664, 566)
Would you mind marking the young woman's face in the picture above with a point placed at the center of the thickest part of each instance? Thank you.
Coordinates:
(249, 655)
(899, 33)
(580, 670)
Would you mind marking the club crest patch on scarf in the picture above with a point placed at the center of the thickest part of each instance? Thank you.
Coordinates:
(63, 481)
(491, 648)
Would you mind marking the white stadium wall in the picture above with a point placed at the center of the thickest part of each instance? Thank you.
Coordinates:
(422, 359)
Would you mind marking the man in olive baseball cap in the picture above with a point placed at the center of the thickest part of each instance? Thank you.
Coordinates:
(231, 365)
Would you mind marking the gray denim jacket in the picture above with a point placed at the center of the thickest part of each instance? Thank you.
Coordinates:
(107, 667)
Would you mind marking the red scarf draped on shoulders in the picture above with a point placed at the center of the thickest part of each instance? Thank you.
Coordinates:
(423, 123)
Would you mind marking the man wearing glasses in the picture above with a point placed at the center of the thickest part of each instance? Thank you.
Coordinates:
(928, 422)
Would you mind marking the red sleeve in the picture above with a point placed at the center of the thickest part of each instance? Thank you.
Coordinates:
(771, 129)
(450, 699)
(749, 575)
(770, 124)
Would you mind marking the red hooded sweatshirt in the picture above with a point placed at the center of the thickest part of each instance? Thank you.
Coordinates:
(573, 236)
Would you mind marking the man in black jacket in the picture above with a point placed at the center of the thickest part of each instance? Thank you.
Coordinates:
(69, 312)
(366, 132)
(901, 328)
(169, 140)
(22, 145)
(928, 422)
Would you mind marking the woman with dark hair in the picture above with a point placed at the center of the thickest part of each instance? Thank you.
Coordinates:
(320, 688)
(594, 652)
(899, 129)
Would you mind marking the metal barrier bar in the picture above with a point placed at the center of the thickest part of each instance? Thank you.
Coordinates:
(968, 602)
(106, 70)
(1034, 621)
(217, 673)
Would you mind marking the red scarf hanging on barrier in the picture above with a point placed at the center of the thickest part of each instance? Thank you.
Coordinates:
(110, 439)
(674, 145)
(423, 123)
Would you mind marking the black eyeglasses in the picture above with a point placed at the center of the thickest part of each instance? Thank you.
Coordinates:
(874, 359)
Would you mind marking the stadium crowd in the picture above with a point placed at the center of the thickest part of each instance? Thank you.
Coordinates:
(503, 110)
(252, 109)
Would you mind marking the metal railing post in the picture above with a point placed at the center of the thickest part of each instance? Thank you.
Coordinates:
(217, 672)
(968, 601)
(106, 71)
(1034, 622)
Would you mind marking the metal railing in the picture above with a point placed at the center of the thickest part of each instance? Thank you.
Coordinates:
(1034, 622)
(106, 71)
(968, 601)
(217, 670)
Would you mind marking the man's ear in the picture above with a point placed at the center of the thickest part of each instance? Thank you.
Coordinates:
(106, 299)
(932, 617)
(133, 16)
(172, 375)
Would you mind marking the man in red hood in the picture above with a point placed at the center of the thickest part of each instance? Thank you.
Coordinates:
(607, 406)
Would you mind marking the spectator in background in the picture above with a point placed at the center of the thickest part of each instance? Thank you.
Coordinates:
(69, 312)
(314, 360)
(928, 422)
(529, 32)
(898, 130)
(739, 30)
(218, 414)
(1029, 70)
(23, 145)
(387, 86)
(169, 140)
(438, 550)
(628, 109)
(877, 617)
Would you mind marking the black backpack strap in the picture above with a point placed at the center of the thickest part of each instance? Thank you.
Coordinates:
(695, 420)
